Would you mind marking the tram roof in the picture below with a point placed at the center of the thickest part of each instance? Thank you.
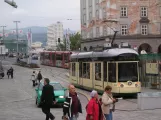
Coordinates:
(56, 52)
(106, 53)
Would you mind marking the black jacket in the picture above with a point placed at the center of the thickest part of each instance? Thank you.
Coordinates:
(39, 76)
(67, 107)
(47, 96)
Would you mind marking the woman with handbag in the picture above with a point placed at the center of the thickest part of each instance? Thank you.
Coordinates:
(108, 103)
(93, 108)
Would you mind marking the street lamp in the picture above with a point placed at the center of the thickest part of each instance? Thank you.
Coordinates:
(3, 34)
(17, 32)
(12, 3)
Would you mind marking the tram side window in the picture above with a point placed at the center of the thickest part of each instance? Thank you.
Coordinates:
(112, 72)
(86, 70)
(66, 58)
(105, 71)
(80, 69)
(47, 56)
(98, 71)
(59, 57)
(53, 57)
(73, 69)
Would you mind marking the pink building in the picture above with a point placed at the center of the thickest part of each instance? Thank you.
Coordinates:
(137, 22)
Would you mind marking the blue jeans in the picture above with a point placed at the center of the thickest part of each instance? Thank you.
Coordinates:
(74, 117)
(108, 116)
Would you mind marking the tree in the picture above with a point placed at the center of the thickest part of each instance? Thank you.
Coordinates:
(75, 41)
(62, 46)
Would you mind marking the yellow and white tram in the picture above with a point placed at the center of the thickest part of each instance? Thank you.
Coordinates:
(117, 67)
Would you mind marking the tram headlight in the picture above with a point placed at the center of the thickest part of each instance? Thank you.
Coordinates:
(136, 85)
(122, 85)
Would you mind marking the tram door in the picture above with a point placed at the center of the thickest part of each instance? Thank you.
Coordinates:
(80, 80)
(98, 75)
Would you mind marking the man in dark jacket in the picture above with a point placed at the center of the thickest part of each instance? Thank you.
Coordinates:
(39, 76)
(47, 99)
(72, 106)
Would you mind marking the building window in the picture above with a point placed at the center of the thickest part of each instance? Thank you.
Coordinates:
(144, 11)
(97, 31)
(91, 33)
(90, 3)
(123, 29)
(105, 31)
(144, 29)
(97, 14)
(84, 18)
(84, 4)
(104, 13)
(90, 16)
(160, 11)
(123, 11)
(97, 1)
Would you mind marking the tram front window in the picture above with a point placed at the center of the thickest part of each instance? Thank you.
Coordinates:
(127, 71)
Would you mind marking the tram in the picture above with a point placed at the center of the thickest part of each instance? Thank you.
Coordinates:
(55, 58)
(117, 67)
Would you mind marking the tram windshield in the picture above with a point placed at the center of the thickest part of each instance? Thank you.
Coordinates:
(127, 71)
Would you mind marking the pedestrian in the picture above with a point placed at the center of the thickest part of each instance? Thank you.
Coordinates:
(33, 78)
(39, 76)
(108, 103)
(47, 99)
(93, 108)
(11, 72)
(8, 73)
(72, 105)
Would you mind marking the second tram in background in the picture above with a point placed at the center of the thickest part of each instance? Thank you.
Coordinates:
(55, 58)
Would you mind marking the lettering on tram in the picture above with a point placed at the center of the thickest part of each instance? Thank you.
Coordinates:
(117, 67)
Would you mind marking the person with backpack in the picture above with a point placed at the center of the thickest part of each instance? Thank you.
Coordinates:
(93, 108)
(39, 76)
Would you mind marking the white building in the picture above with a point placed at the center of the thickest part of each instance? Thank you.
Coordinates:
(55, 32)
(36, 45)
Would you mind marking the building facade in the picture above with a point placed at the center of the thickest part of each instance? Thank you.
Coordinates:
(54, 35)
(138, 22)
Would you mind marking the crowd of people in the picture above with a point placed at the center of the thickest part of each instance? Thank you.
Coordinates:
(96, 109)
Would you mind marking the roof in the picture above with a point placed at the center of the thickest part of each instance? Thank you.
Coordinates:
(106, 53)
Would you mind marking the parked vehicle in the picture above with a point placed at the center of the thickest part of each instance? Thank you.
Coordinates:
(59, 93)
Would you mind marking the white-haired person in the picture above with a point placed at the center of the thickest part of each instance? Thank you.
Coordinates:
(93, 108)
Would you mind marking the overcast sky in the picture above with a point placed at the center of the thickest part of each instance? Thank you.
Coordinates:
(41, 13)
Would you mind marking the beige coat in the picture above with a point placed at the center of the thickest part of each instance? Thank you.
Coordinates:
(106, 102)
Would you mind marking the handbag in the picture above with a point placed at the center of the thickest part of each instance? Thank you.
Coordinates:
(64, 118)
